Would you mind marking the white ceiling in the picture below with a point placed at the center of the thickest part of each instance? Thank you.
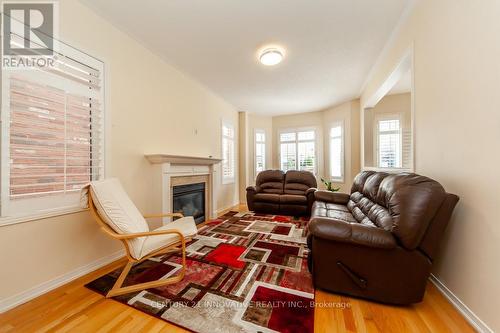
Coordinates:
(331, 45)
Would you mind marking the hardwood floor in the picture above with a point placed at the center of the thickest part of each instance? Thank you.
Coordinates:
(74, 308)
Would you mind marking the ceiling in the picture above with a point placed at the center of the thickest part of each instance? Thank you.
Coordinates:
(330, 45)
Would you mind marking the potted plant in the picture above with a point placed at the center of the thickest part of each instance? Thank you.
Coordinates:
(329, 185)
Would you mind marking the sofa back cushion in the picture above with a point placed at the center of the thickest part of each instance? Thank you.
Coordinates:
(270, 181)
(402, 203)
(298, 182)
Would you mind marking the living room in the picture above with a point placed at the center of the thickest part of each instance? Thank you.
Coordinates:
(289, 166)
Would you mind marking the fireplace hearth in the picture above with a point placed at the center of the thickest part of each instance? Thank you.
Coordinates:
(189, 200)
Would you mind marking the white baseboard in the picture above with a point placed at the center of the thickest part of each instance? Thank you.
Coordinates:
(219, 211)
(470, 316)
(25, 296)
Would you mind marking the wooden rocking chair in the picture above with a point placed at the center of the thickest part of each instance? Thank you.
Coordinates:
(119, 218)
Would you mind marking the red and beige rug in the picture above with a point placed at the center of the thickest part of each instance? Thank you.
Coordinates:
(245, 272)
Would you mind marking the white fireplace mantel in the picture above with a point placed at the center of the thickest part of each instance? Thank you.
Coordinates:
(178, 159)
(168, 166)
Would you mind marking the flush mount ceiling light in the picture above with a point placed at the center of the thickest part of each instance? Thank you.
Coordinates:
(271, 56)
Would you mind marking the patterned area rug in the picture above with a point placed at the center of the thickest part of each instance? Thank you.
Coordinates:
(245, 272)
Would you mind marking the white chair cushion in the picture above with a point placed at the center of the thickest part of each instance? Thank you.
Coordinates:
(185, 225)
(119, 212)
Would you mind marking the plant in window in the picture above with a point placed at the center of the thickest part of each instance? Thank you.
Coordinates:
(329, 185)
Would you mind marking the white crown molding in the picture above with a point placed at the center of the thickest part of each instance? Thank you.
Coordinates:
(25, 296)
(471, 317)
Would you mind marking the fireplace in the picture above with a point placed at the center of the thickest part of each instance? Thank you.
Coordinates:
(174, 170)
(189, 200)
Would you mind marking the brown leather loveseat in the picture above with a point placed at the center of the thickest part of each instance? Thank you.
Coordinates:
(278, 193)
(378, 242)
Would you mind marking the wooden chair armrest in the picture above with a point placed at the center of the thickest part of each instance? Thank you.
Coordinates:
(149, 233)
(163, 215)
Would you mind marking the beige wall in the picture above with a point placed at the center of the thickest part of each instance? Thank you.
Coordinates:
(391, 104)
(151, 108)
(457, 127)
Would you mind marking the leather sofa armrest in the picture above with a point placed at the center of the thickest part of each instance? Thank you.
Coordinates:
(251, 189)
(311, 190)
(354, 233)
(251, 192)
(332, 197)
(310, 199)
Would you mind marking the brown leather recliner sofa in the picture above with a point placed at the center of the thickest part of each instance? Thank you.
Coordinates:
(378, 242)
(278, 193)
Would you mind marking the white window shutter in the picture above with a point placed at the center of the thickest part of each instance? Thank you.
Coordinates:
(337, 152)
(298, 150)
(389, 143)
(260, 151)
(52, 133)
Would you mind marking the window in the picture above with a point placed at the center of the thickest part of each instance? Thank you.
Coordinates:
(297, 150)
(260, 151)
(228, 158)
(52, 134)
(288, 151)
(337, 152)
(389, 142)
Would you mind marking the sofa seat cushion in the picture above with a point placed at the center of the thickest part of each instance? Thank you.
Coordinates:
(292, 199)
(340, 215)
(334, 211)
(185, 225)
(342, 208)
(267, 197)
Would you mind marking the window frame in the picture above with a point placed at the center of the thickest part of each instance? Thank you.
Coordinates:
(67, 207)
(264, 159)
(340, 124)
(296, 142)
(376, 141)
(228, 180)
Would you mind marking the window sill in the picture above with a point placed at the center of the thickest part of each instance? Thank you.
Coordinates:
(9, 220)
(337, 180)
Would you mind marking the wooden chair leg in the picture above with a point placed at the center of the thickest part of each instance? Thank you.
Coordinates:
(119, 290)
(120, 279)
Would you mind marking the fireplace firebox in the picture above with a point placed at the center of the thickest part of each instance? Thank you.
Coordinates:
(190, 200)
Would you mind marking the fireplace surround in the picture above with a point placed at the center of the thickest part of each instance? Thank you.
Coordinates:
(170, 171)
